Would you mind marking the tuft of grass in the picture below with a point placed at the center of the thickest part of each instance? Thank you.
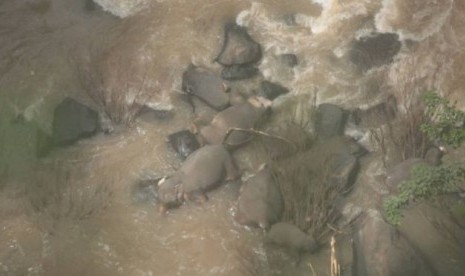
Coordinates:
(425, 182)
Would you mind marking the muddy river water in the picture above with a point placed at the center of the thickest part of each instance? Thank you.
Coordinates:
(73, 212)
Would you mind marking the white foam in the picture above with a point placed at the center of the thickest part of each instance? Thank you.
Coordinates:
(427, 18)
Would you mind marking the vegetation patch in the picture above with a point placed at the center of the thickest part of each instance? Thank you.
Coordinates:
(425, 182)
(447, 122)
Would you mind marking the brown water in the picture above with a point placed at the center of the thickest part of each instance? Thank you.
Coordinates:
(72, 212)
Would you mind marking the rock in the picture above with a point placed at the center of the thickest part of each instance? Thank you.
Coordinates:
(73, 121)
(380, 249)
(148, 112)
(205, 85)
(439, 236)
(238, 47)
(377, 115)
(145, 191)
(401, 172)
(433, 156)
(260, 201)
(44, 143)
(244, 116)
(203, 170)
(289, 59)
(239, 72)
(374, 50)
(271, 90)
(89, 5)
(123, 8)
(341, 157)
(291, 237)
(329, 122)
(183, 142)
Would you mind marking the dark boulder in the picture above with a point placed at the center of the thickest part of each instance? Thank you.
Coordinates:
(439, 232)
(73, 121)
(239, 72)
(238, 47)
(402, 172)
(206, 86)
(183, 142)
(260, 201)
(289, 60)
(271, 90)
(380, 249)
(145, 191)
(90, 5)
(374, 50)
(330, 121)
(44, 143)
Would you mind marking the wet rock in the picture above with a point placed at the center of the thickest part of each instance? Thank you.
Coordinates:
(148, 112)
(205, 85)
(44, 143)
(401, 172)
(377, 115)
(289, 236)
(438, 234)
(183, 142)
(329, 122)
(203, 170)
(239, 72)
(374, 50)
(380, 249)
(73, 121)
(271, 90)
(123, 8)
(260, 201)
(89, 5)
(243, 116)
(289, 60)
(145, 191)
(238, 47)
(341, 156)
(433, 156)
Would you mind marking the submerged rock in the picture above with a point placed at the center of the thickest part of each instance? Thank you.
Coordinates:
(330, 120)
(145, 191)
(381, 250)
(205, 85)
(260, 201)
(239, 72)
(73, 121)
(271, 90)
(238, 47)
(374, 50)
(289, 60)
(183, 142)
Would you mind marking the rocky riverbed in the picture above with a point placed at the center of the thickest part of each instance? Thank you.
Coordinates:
(175, 137)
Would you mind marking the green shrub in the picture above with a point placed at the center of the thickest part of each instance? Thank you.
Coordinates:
(425, 182)
(446, 121)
